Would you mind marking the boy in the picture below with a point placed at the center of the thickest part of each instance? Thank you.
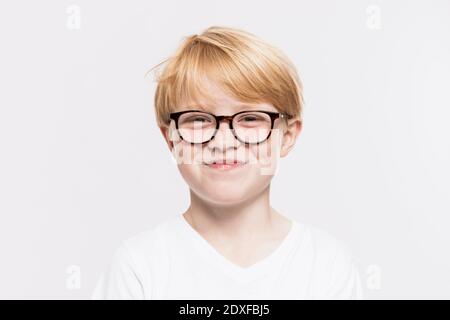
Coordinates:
(229, 105)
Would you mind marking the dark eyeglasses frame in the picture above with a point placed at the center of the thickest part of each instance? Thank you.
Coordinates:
(273, 116)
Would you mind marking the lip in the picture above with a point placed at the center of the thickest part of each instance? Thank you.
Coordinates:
(225, 166)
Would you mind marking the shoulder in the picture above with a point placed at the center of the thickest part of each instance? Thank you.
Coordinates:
(150, 235)
(324, 244)
(335, 273)
(129, 272)
(150, 240)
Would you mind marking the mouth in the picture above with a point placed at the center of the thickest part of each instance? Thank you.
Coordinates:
(225, 166)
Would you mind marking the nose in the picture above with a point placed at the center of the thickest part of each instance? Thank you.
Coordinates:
(224, 138)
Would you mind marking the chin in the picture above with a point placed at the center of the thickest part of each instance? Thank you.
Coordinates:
(225, 201)
(224, 197)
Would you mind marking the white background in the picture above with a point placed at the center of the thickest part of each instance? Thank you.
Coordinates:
(83, 165)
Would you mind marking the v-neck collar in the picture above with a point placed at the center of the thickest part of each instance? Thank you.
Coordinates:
(267, 264)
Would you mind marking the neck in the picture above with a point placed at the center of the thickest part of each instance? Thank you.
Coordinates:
(248, 219)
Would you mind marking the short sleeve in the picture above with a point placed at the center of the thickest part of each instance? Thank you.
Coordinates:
(121, 280)
(345, 281)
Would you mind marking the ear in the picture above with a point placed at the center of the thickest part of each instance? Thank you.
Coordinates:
(165, 130)
(290, 135)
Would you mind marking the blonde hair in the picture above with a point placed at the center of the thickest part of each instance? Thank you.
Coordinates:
(240, 63)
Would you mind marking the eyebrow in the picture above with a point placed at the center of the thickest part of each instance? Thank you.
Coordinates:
(236, 107)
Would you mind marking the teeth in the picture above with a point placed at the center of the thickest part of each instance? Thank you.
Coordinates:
(215, 162)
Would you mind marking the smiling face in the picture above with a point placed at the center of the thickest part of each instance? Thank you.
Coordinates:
(217, 71)
(251, 167)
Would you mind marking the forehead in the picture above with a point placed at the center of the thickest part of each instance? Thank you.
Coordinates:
(225, 106)
(219, 102)
(228, 109)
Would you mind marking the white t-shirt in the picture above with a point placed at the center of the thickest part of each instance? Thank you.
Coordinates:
(173, 261)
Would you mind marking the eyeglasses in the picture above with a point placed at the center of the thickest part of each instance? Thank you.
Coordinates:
(249, 127)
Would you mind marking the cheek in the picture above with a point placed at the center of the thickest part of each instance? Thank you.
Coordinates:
(251, 178)
(234, 185)
(187, 154)
(262, 161)
(266, 156)
(225, 188)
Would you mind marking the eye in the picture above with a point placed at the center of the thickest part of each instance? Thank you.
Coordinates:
(198, 119)
(249, 118)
